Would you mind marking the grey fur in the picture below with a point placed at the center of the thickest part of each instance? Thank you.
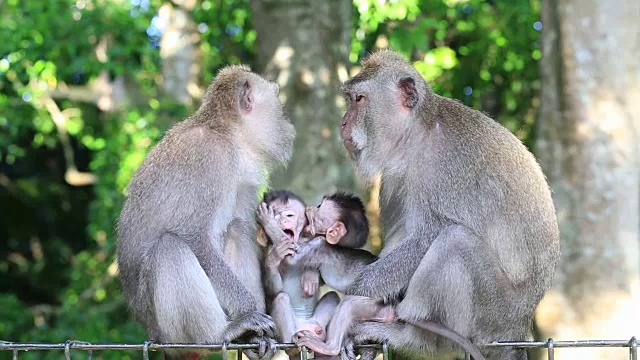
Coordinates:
(471, 234)
(188, 264)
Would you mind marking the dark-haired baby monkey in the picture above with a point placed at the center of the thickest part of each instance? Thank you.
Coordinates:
(304, 249)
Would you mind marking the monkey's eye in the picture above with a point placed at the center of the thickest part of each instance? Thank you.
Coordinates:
(359, 98)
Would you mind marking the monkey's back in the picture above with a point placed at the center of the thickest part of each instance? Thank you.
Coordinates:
(494, 185)
(178, 184)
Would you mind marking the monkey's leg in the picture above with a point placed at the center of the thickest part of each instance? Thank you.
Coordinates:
(186, 306)
(351, 309)
(325, 308)
(284, 317)
(458, 285)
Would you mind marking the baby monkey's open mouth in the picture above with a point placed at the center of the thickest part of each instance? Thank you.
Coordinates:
(289, 233)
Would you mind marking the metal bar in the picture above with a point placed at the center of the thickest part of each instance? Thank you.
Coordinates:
(304, 354)
(550, 353)
(145, 349)
(67, 350)
(147, 346)
(225, 355)
(15, 354)
(239, 354)
(385, 350)
(560, 344)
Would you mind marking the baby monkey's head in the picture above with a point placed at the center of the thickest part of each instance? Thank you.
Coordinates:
(341, 218)
(289, 211)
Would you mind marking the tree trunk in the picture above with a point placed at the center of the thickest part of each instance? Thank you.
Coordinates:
(179, 51)
(304, 45)
(589, 131)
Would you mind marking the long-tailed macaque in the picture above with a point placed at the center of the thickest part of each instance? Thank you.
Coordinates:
(292, 272)
(471, 234)
(189, 266)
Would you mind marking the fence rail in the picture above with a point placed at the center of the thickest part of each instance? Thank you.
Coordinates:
(148, 346)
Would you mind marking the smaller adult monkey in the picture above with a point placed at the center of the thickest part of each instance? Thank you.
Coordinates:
(186, 252)
(296, 259)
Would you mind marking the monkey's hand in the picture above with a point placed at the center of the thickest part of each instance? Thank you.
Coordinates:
(251, 324)
(267, 217)
(312, 342)
(279, 251)
(309, 281)
(347, 351)
(266, 348)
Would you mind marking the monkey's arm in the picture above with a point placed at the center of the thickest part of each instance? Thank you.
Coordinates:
(386, 278)
(339, 266)
(272, 279)
(235, 298)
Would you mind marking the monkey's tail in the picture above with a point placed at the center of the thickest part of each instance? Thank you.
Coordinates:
(450, 334)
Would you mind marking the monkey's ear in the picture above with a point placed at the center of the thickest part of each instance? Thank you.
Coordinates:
(246, 97)
(336, 232)
(409, 92)
(262, 237)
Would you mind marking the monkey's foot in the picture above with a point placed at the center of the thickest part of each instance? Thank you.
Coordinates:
(255, 323)
(368, 354)
(266, 348)
(347, 351)
(312, 342)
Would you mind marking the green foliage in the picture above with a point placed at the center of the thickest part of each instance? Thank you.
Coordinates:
(484, 53)
(57, 272)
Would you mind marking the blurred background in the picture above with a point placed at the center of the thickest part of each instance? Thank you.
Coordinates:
(87, 87)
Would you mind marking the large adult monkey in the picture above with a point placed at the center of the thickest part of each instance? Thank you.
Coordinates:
(471, 234)
(188, 263)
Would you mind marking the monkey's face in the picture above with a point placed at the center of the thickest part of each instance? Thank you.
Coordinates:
(324, 219)
(266, 128)
(374, 123)
(290, 217)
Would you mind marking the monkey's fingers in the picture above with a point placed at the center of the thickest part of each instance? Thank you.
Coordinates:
(263, 325)
(347, 351)
(262, 212)
(365, 354)
(254, 323)
(310, 288)
(314, 343)
(266, 348)
(302, 335)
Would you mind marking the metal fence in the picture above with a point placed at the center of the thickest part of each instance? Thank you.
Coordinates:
(149, 346)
